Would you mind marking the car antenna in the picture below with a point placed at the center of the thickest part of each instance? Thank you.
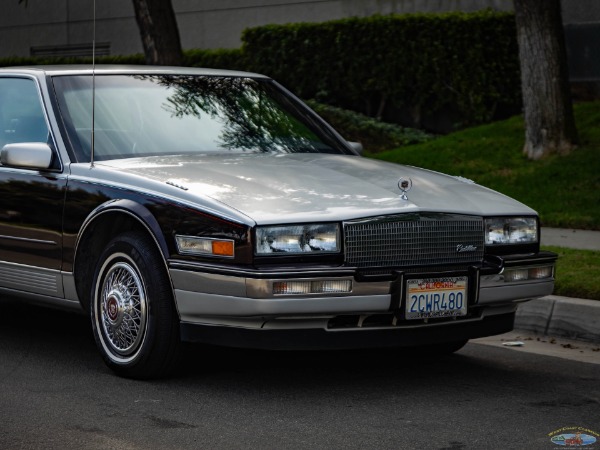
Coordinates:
(93, 85)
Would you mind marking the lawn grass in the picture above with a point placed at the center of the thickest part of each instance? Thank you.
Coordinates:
(577, 273)
(565, 190)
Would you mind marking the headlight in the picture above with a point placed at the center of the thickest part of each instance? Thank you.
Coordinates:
(511, 230)
(298, 239)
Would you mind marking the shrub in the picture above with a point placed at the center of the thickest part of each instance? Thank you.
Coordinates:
(216, 59)
(232, 59)
(376, 136)
(421, 64)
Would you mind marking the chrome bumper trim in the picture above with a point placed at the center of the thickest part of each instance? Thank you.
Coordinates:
(240, 286)
(515, 292)
(202, 295)
(193, 306)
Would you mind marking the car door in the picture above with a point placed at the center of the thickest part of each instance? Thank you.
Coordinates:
(31, 200)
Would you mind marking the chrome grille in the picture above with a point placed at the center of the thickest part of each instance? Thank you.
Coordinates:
(413, 240)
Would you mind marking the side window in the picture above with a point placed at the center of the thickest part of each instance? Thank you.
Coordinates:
(21, 113)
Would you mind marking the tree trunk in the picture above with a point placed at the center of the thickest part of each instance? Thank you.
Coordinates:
(158, 29)
(549, 122)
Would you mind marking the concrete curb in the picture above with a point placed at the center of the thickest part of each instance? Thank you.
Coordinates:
(571, 318)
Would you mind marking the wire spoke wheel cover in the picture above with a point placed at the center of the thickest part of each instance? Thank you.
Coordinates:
(122, 308)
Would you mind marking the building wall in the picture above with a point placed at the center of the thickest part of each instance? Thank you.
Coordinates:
(67, 22)
(582, 35)
(219, 23)
(202, 24)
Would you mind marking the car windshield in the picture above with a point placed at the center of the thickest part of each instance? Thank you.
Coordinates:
(145, 115)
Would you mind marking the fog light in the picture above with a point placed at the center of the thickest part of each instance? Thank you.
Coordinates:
(331, 286)
(534, 273)
(516, 275)
(539, 273)
(297, 287)
(291, 287)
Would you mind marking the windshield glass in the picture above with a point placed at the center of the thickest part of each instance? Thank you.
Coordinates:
(144, 115)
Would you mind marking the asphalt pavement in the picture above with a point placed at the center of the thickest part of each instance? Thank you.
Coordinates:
(573, 318)
(56, 394)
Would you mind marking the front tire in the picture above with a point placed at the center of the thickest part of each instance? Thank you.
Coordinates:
(134, 321)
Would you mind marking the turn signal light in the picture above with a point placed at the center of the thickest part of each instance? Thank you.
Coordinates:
(194, 245)
(222, 248)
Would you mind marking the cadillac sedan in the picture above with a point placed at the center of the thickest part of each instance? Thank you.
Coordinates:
(176, 204)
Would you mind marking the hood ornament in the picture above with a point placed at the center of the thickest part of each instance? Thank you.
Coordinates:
(405, 185)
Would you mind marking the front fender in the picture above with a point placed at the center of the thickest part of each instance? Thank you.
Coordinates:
(136, 211)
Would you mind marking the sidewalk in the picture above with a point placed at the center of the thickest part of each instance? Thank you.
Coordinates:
(562, 316)
(579, 239)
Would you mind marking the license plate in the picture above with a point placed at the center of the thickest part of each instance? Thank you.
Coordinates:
(436, 297)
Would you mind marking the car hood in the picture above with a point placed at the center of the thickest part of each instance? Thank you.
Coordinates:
(306, 187)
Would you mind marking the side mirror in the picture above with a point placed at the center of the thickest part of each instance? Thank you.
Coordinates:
(30, 155)
(356, 146)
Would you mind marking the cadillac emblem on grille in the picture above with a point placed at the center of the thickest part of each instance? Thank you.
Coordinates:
(466, 248)
(405, 185)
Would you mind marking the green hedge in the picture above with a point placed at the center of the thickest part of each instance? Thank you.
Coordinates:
(232, 59)
(412, 69)
(217, 59)
(422, 64)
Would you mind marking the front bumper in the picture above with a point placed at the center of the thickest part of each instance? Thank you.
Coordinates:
(236, 307)
(301, 336)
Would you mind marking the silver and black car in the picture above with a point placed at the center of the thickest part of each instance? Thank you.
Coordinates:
(176, 204)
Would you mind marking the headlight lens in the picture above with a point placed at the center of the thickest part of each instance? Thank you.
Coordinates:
(298, 239)
(511, 230)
